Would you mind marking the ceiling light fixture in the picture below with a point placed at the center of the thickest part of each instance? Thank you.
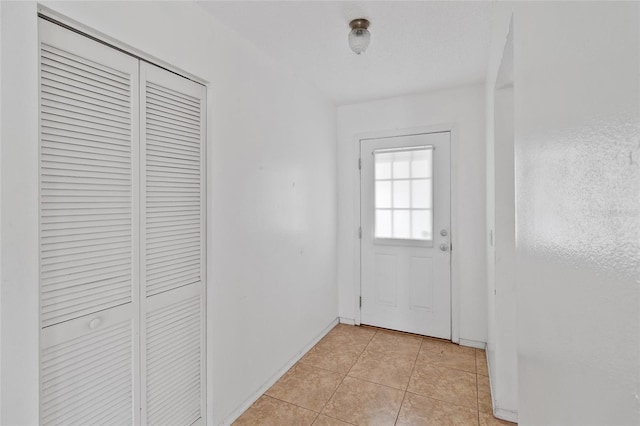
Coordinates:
(359, 37)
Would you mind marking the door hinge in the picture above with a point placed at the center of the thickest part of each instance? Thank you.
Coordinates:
(359, 163)
(360, 232)
(361, 301)
(451, 248)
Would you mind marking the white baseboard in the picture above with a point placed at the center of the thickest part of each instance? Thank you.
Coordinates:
(472, 343)
(499, 413)
(258, 393)
(508, 415)
(349, 321)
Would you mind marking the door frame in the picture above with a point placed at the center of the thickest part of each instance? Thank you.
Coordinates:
(452, 128)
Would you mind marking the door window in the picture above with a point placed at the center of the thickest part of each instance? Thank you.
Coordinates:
(404, 193)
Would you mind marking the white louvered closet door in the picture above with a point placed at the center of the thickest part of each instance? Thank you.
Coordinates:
(89, 227)
(172, 248)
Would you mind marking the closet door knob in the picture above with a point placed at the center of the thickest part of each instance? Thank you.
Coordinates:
(95, 323)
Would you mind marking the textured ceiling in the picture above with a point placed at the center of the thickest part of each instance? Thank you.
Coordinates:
(415, 46)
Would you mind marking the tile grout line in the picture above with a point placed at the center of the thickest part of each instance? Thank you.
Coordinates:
(288, 402)
(445, 401)
(442, 400)
(318, 413)
(361, 353)
(373, 336)
(332, 395)
(344, 377)
(475, 358)
(335, 418)
(450, 368)
(319, 368)
(369, 381)
(455, 356)
(415, 362)
(404, 395)
(379, 384)
(454, 369)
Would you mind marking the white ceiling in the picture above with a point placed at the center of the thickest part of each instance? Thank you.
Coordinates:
(415, 46)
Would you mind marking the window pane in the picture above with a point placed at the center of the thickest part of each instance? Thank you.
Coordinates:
(383, 166)
(401, 166)
(421, 164)
(383, 224)
(401, 194)
(401, 224)
(383, 194)
(421, 194)
(422, 225)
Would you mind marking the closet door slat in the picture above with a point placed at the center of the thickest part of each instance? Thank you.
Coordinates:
(84, 387)
(170, 349)
(57, 153)
(177, 158)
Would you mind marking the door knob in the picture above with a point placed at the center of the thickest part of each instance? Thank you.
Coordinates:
(95, 323)
(444, 247)
(444, 233)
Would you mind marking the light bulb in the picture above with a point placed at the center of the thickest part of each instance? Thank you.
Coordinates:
(359, 39)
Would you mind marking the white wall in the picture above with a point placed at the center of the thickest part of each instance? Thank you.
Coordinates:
(578, 212)
(464, 107)
(501, 268)
(0, 216)
(19, 225)
(271, 206)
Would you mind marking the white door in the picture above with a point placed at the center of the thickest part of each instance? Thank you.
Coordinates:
(89, 282)
(405, 242)
(172, 248)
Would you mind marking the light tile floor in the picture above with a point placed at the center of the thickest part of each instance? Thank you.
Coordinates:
(370, 376)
